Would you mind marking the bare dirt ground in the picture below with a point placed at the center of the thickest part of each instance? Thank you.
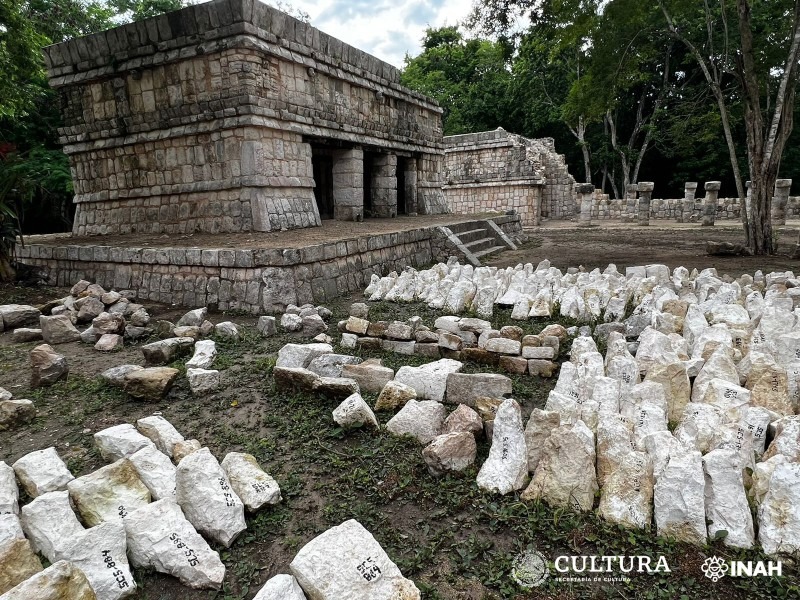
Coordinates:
(454, 541)
(629, 245)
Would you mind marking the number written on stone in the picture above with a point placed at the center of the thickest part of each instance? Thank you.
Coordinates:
(191, 557)
(369, 570)
(117, 574)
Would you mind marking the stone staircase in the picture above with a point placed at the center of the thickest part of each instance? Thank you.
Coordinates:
(478, 239)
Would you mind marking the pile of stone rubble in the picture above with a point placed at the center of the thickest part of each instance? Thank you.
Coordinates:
(143, 510)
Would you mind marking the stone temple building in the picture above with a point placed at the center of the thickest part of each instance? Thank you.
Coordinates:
(233, 116)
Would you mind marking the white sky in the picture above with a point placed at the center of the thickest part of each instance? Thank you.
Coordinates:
(387, 29)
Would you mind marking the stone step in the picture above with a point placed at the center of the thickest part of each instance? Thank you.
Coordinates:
(472, 235)
(488, 251)
(481, 244)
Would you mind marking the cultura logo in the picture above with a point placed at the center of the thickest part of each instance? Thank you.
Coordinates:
(530, 569)
(714, 568)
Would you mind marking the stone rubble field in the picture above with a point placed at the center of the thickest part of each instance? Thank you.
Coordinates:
(676, 409)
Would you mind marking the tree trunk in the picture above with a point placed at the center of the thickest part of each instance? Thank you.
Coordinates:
(6, 270)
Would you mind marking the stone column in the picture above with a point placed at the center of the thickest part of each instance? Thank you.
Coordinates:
(348, 185)
(689, 193)
(384, 185)
(629, 212)
(410, 178)
(645, 194)
(585, 199)
(710, 205)
(780, 200)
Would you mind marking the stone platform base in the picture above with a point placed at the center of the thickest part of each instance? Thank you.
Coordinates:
(254, 280)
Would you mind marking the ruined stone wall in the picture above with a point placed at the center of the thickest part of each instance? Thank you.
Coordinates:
(499, 171)
(670, 208)
(169, 119)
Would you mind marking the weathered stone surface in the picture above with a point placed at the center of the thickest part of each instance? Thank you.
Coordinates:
(251, 483)
(10, 528)
(205, 351)
(627, 494)
(281, 587)
(463, 419)
(370, 375)
(430, 380)
(135, 333)
(160, 537)
(100, 552)
(450, 452)
(19, 563)
(88, 308)
(538, 352)
(5, 394)
(23, 334)
(357, 325)
(109, 323)
(152, 383)
(502, 345)
(346, 563)
(156, 472)
(354, 412)
(540, 425)
(394, 395)
(679, 499)
(9, 492)
(162, 433)
(506, 468)
(61, 581)
(699, 426)
(109, 493)
(17, 315)
(164, 329)
(463, 388)
(42, 471)
(139, 318)
(47, 366)
(267, 326)
(565, 476)
(120, 441)
(330, 365)
(360, 310)
(769, 387)
(779, 512)
(675, 380)
(109, 342)
(50, 524)
(541, 368)
(207, 498)
(291, 322)
(421, 420)
(294, 378)
(787, 439)
(726, 501)
(614, 443)
(301, 355)
(165, 351)
(228, 330)
(335, 387)
(193, 318)
(203, 381)
(15, 413)
(183, 449)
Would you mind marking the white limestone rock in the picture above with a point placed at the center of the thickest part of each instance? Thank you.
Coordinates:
(649, 419)
(674, 378)
(10, 528)
(227, 330)
(156, 471)
(61, 581)
(347, 563)
(50, 524)
(120, 441)
(116, 375)
(161, 538)
(9, 492)
(565, 476)
(659, 446)
(161, 432)
(540, 425)
(614, 443)
(450, 452)
(679, 499)
(330, 365)
(627, 493)
(18, 560)
(109, 493)
(281, 587)
(193, 318)
(732, 400)
(207, 498)
(423, 420)
(100, 552)
(354, 412)
(430, 380)
(756, 420)
(726, 501)
(301, 355)
(42, 471)
(291, 322)
(254, 487)
(205, 351)
(786, 440)
(779, 512)
(699, 426)
(718, 366)
(506, 468)
(203, 381)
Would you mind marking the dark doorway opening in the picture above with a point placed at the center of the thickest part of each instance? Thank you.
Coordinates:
(322, 166)
(402, 166)
(369, 169)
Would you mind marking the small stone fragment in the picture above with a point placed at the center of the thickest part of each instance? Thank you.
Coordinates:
(354, 412)
(42, 471)
(47, 366)
(254, 486)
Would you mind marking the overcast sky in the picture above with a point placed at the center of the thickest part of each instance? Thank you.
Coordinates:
(387, 29)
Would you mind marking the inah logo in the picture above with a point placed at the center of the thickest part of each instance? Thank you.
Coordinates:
(714, 568)
(529, 569)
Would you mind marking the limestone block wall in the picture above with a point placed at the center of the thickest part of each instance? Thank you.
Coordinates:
(727, 208)
(254, 280)
(157, 113)
(499, 171)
